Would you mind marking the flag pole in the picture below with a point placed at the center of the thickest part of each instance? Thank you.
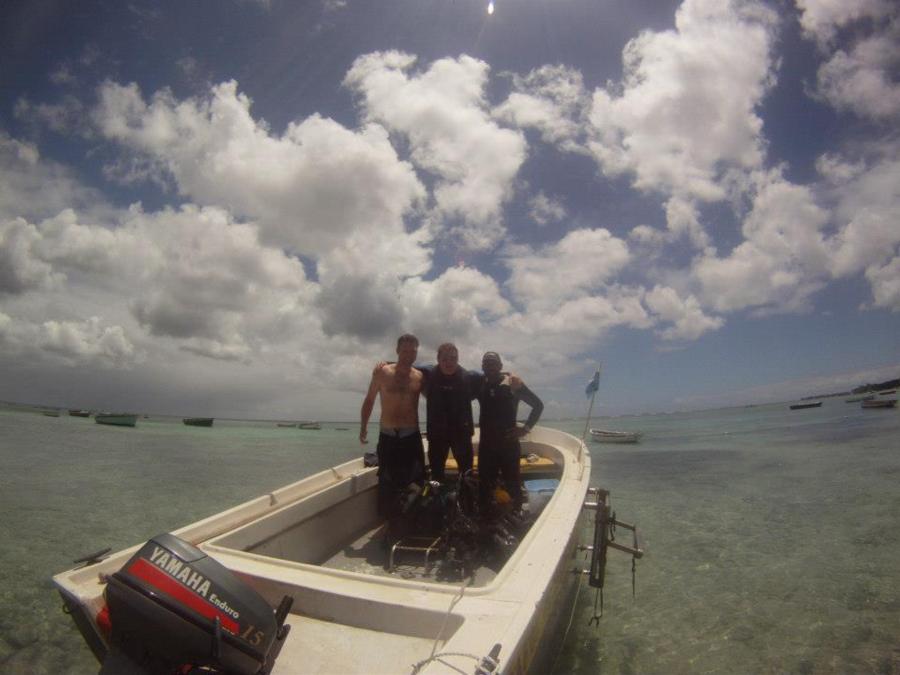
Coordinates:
(592, 387)
(587, 422)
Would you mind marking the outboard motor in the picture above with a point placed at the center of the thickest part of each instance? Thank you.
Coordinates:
(173, 608)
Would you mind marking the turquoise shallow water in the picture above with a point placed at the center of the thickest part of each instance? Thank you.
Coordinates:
(772, 536)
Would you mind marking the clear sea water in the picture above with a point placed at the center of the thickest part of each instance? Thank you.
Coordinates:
(772, 536)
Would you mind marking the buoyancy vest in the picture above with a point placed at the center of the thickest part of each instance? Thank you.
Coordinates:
(448, 402)
(499, 407)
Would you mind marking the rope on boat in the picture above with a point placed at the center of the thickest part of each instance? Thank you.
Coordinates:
(455, 599)
(562, 643)
(433, 657)
(486, 664)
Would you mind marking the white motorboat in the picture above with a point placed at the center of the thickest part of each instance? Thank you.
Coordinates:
(356, 607)
(606, 436)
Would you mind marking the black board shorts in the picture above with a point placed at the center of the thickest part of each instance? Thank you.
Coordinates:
(401, 461)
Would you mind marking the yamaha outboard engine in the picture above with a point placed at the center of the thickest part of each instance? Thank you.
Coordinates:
(172, 607)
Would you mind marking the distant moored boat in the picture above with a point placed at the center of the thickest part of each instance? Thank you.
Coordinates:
(76, 412)
(880, 403)
(116, 419)
(802, 406)
(198, 421)
(309, 425)
(606, 436)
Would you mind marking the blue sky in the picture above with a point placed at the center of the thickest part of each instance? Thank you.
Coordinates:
(234, 208)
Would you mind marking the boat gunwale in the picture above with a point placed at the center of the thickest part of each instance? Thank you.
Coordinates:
(204, 532)
(273, 563)
(511, 609)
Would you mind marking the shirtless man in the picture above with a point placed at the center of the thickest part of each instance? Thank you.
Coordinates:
(401, 456)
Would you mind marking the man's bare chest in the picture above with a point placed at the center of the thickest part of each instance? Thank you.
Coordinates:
(402, 387)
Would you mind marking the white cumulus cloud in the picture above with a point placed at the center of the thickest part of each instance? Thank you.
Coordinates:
(861, 39)
(783, 259)
(551, 99)
(443, 113)
(574, 266)
(688, 320)
(686, 113)
(885, 281)
(308, 188)
(544, 209)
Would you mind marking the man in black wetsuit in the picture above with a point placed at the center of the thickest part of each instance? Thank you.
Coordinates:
(449, 390)
(499, 448)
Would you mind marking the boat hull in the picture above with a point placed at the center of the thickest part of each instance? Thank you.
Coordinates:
(198, 421)
(602, 436)
(356, 617)
(116, 420)
(880, 403)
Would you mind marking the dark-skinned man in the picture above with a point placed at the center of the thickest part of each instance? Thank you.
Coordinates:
(499, 449)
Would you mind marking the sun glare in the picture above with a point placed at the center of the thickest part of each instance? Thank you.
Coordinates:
(491, 7)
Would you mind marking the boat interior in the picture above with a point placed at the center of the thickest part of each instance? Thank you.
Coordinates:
(339, 528)
(337, 532)
(357, 605)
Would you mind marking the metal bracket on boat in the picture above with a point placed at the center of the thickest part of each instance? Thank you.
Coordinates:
(93, 558)
(281, 613)
(605, 524)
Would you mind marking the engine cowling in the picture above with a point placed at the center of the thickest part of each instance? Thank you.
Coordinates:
(172, 605)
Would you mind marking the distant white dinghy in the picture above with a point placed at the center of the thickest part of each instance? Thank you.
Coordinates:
(607, 436)
(298, 581)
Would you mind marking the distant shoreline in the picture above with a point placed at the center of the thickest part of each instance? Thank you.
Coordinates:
(862, 389)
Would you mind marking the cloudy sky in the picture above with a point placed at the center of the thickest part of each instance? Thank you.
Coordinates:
(234, 207)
